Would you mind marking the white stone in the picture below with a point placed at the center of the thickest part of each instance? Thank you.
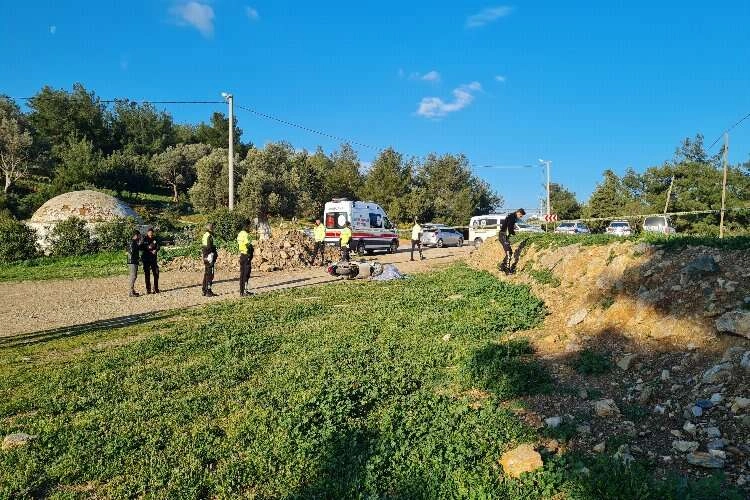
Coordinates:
(553, 422)
(685, 446)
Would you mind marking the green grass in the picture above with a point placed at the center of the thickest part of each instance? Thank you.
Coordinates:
(591, 362)
(325, 392)
(671, 243)
(544, 277)
(85, 266)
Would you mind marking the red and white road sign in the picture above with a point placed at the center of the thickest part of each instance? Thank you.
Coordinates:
(550, 218)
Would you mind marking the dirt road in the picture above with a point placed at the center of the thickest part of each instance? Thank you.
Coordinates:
(47, 307)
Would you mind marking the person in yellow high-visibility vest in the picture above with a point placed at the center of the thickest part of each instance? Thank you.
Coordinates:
(246, 258)
(319, 233)
(345, 237)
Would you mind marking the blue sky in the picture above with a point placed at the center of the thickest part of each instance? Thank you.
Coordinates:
(588, 85)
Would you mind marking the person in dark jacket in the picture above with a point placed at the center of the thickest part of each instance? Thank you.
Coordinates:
(209, 254)
(133, 249)
(149, 250)
(508, 229)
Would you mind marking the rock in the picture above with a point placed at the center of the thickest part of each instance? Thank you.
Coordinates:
(553, 422)
(696, 411)
(664, 375)
(584, 429)
(735, 322)
(716, 398)
(716, 444)
(713, 432)
(16, 440)
(690, 428)
(578, 317)
(676, 433)
(745, 361)
(705, 264)
(659, 409)
(740, 404)
(625, 361)
(606, 408)
(645, 395)
(718, 374)
(583, 393)
(600, 448)
(746, 421)
(521, 459)
(718, 454)
(732, 354)
(705, 404)
(685, 446)
(446, 337)
(705, 460)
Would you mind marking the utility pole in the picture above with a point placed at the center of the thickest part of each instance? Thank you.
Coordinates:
(669, 196)
(547, 163)
(724, 184)
(230, 100)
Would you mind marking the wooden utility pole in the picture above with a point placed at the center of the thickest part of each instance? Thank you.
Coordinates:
(724, 184)
(669, 195)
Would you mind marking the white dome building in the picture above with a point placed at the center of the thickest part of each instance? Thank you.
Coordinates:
(91, 206)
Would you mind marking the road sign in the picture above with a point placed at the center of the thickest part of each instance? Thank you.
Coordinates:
(550, 218)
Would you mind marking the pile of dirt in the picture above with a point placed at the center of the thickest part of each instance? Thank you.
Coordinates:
(661, 333)
(283, 251)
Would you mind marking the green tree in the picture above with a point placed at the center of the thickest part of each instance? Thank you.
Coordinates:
(344, 178)
(211, 188)
(58, 115)
(609, 199)
(141, 129)
(388, 182)
(564, 202)
(216, 134)
(78, 166)
(124, 171)
(176, 167)
(16, 144)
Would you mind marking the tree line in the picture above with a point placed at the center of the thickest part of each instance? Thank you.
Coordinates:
(71, 140)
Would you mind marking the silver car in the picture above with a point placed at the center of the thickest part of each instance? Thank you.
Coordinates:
(619, 228)
(572, 228)
(522, 227)
(441, 236)
(658, 224)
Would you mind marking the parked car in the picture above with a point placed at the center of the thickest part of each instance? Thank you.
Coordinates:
(658, 224)
(441, 236)
(522, 227)
(619, 228)
(576, 227)
(484, 227)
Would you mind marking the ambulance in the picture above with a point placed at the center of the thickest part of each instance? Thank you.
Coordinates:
(371, 228)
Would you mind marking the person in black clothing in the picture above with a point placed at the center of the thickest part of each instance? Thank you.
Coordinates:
(133, 249)
(508, 229)
(149, 249)
(209, 254)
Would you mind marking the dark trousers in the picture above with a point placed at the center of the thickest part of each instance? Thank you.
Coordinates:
(320, 248)
(418, 244)
(505, 242)
(345, 253)
(208, 276)
(245, 268)
(150, 267)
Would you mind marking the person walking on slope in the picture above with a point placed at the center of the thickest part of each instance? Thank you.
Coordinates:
(149, 257)
(133, 249)
(319, 234)
(209, 254)
(416, 239)
(344, 239)
(246, 258)
(508, 229)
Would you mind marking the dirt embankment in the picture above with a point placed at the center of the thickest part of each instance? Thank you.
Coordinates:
(646, 328)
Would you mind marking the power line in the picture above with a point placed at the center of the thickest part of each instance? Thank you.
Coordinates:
(136, 101)
(728, 130)
(306, 129)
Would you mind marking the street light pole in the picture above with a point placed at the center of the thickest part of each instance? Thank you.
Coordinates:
(547, 164)
(230, 100)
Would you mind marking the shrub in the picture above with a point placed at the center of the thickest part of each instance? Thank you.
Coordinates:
(70, 237)
(17, 241)
(592, 363)
(227, 224)
(545, 277)
(116, 234)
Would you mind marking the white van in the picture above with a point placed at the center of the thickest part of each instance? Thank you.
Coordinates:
(371, 229)
(483, 227)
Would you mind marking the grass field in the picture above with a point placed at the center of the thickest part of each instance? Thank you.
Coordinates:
(325, 392)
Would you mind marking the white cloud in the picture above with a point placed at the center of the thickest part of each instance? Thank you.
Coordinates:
(432, 76)
(487, 16)
(198, 15)
(252, 13)
(434, 107)
(52, 29)
(500, 78)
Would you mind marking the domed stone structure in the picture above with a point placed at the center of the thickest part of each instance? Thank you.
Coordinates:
(91, 206)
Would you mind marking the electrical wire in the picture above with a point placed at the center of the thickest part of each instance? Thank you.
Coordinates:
(728, 130)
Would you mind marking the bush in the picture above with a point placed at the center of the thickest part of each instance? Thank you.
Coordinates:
(507, 369)
(17, 241)
(70, 237)
(116, 234)
(227, 224)
(592, 363)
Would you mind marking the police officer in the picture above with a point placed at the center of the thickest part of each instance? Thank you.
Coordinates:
(416, 239)
(345, 237)
(246, 259)
(319, 234)
(149, 250)
(508, 229)
(210, 254)
(133, 250)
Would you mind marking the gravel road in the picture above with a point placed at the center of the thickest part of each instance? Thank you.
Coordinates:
(46, 308)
